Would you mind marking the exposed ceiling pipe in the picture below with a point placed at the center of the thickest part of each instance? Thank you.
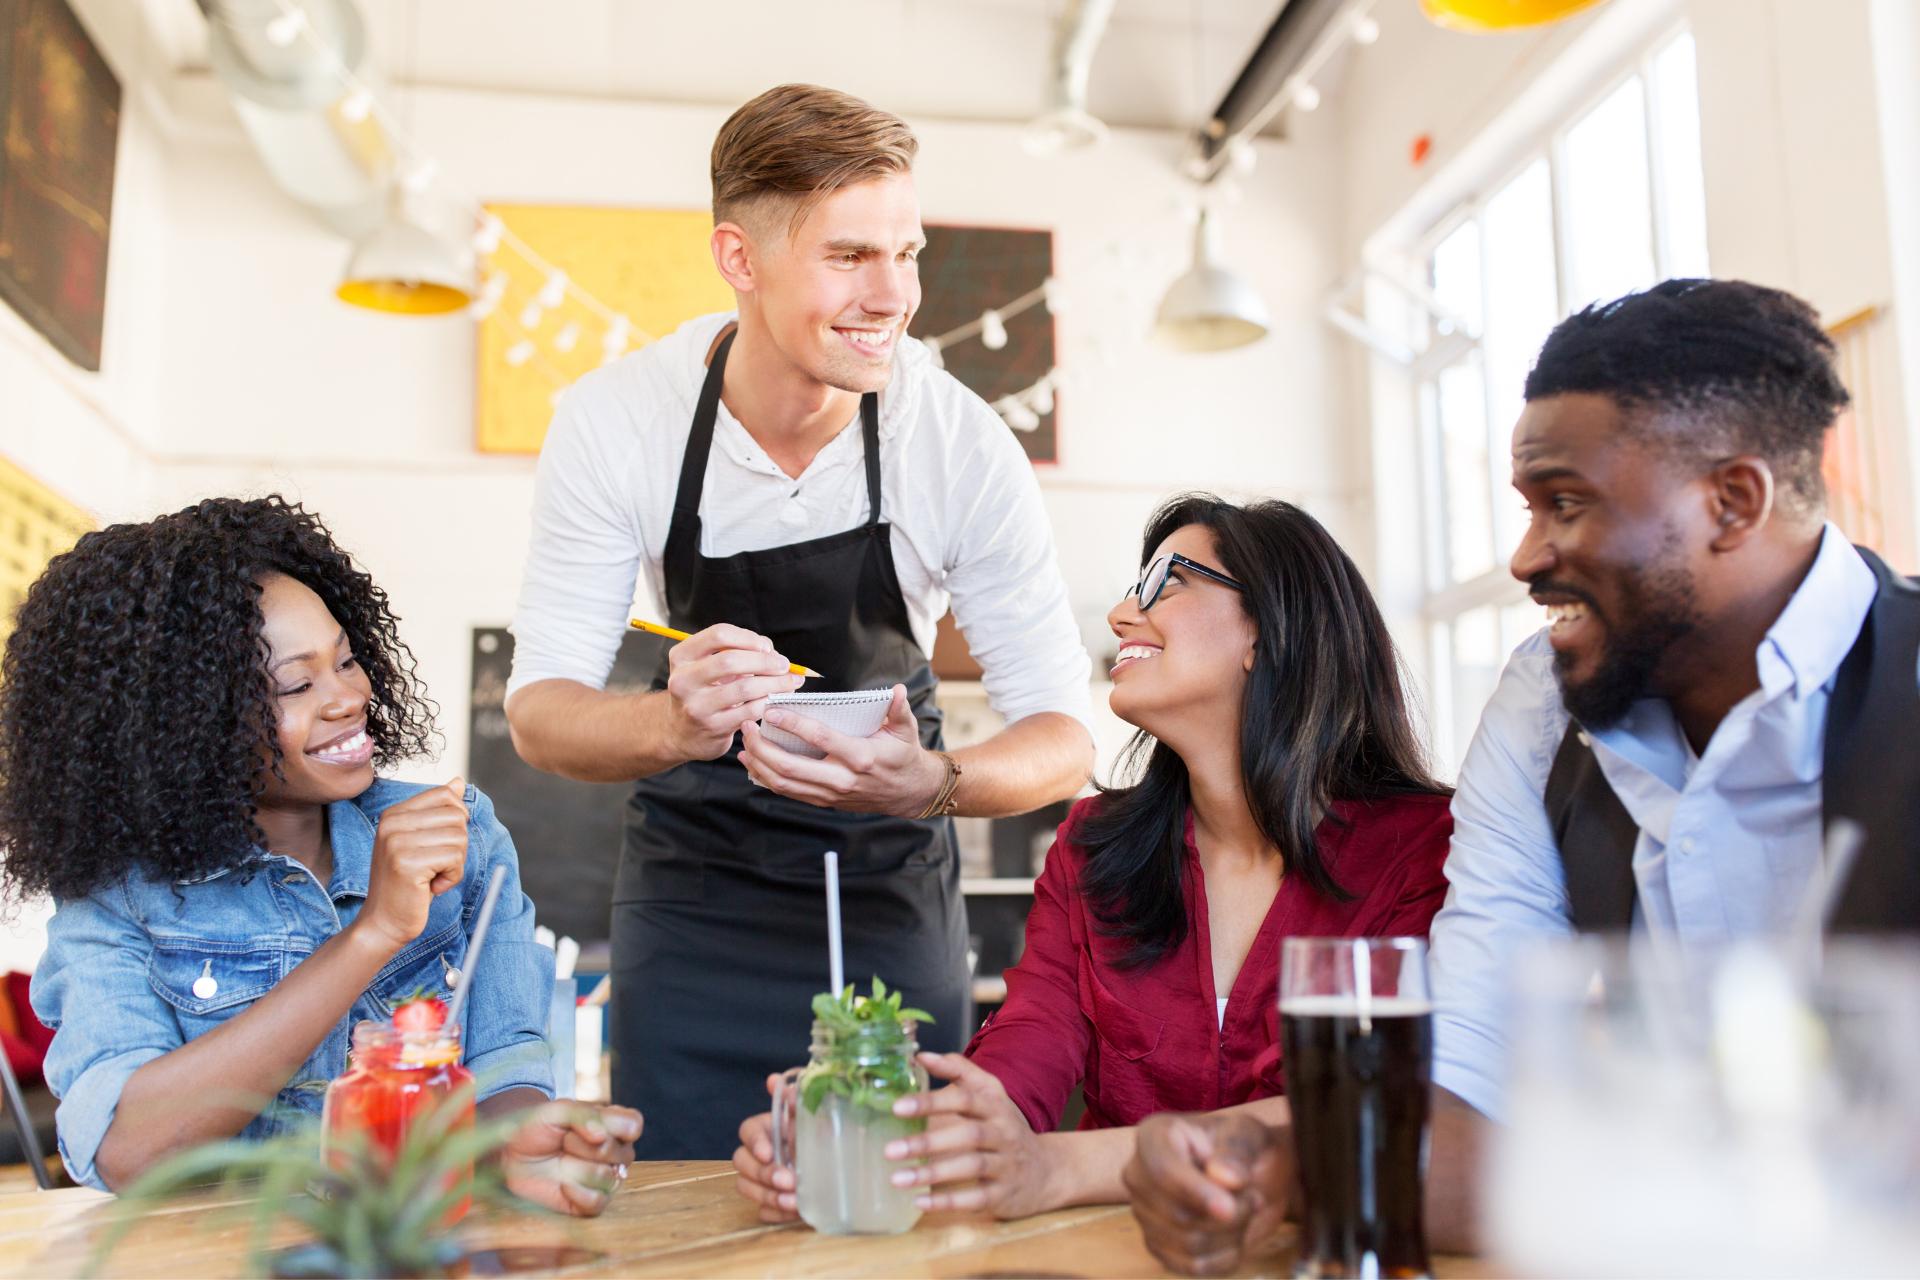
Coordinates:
(288, 98)
(1067, 124)
(1301, 38)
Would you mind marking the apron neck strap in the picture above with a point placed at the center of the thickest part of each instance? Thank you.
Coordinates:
(870, 436)
(693, 464)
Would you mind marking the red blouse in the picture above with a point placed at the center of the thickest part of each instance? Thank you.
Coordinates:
(1147, 1040)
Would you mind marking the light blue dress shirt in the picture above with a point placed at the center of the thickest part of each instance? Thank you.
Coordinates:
(1729, 840)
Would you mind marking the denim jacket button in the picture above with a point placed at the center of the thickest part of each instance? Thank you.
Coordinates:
(206, 986)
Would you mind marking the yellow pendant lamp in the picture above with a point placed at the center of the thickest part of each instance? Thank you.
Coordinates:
(1500, 15)
(402, 268)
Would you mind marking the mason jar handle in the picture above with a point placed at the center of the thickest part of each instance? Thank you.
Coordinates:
(786, 1096)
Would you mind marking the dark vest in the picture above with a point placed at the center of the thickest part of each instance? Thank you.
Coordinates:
(1870, 774)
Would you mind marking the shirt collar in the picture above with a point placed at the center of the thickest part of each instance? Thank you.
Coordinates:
(1805, 645)
(911, 364)
(350, 831)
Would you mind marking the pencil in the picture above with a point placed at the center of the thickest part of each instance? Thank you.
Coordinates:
(655, 629)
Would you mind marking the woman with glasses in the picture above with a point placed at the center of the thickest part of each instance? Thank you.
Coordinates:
(1278, 788)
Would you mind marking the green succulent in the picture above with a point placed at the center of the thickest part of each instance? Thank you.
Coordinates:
(369, 1215)
(867, 1061)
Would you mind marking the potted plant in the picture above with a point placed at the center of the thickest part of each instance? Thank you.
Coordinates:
(371, 1213)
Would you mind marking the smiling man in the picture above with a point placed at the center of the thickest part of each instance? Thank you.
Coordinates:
(799, 482)
(1723, 676)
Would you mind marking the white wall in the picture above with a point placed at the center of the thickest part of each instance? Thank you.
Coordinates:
(269, 383)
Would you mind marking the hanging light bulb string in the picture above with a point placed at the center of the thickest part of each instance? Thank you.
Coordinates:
(417, 172)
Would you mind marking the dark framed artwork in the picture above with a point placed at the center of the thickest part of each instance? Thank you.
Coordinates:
(964, 271)
(59, 126)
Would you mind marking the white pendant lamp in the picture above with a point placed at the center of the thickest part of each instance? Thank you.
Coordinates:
(1210, 308)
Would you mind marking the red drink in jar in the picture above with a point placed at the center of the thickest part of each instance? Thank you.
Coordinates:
(395, 1080)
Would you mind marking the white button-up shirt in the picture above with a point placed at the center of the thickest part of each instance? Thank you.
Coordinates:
(968, 525)
(1729, 840)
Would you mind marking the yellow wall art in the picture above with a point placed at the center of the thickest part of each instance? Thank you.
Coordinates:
(650, 265)
(36, 524)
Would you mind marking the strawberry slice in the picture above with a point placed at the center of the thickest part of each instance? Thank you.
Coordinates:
(420, 1012)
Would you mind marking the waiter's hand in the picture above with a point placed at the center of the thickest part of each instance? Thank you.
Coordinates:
(889, 772)
(719, 680)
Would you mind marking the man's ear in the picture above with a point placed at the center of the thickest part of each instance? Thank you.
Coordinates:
(734, 255)
(1742, 500)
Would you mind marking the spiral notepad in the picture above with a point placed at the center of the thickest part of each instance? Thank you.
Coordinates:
(858, 714)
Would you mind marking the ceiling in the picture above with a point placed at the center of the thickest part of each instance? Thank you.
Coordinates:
(1162, 63)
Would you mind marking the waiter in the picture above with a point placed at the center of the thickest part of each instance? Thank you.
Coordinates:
(800, 483)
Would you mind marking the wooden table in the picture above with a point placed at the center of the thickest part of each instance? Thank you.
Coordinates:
(671, 1219)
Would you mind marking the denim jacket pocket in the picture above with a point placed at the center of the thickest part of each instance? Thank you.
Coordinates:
(432, 962)
(211, 980)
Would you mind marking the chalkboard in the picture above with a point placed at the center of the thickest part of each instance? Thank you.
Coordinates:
(568, 833)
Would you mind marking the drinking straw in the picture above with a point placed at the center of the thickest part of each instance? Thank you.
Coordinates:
(1844, 839)
(473, 948)
(835, 966)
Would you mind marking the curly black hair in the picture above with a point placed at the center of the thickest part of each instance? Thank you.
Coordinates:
(135, 708)
(1712, 368)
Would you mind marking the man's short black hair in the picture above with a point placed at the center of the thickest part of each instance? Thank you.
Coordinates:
(1713, 367)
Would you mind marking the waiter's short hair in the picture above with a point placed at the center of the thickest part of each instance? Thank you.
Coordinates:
(797, 144)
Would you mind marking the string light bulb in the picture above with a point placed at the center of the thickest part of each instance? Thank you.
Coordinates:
(486, 238)
(1041, 397)
(531, 315)
(1017, 415)
(288, 27)
(554, 291)
(417, 178)
(993, 330)
(1366, 29)
(1307, 98)
(356, 106)
(1052, 295)
(520, 352)
(568, 338)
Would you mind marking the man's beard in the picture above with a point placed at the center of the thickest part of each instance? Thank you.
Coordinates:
(1655, 612)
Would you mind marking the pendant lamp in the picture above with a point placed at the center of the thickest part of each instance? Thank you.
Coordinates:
(1210, 308)
(1500, 15)
(402, 268)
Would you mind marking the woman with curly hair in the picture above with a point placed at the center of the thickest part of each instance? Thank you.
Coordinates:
(191, 714)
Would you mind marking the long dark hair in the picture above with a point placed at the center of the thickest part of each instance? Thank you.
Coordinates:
(1325, 719)
(136, 716)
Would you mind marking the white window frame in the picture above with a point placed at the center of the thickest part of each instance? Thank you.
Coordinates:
(1440, 600)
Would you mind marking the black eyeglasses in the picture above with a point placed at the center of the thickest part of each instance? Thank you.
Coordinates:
(1148, 588)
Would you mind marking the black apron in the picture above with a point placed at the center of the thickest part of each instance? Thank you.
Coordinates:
(719, 913)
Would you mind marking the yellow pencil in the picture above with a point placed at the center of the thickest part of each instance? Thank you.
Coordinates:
(655, 629)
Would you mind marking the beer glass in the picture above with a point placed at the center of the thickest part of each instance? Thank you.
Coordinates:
(1356, 1032)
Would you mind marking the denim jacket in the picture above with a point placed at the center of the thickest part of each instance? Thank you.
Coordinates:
(118, 981)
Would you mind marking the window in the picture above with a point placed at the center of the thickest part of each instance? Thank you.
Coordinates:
(1611, 201)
